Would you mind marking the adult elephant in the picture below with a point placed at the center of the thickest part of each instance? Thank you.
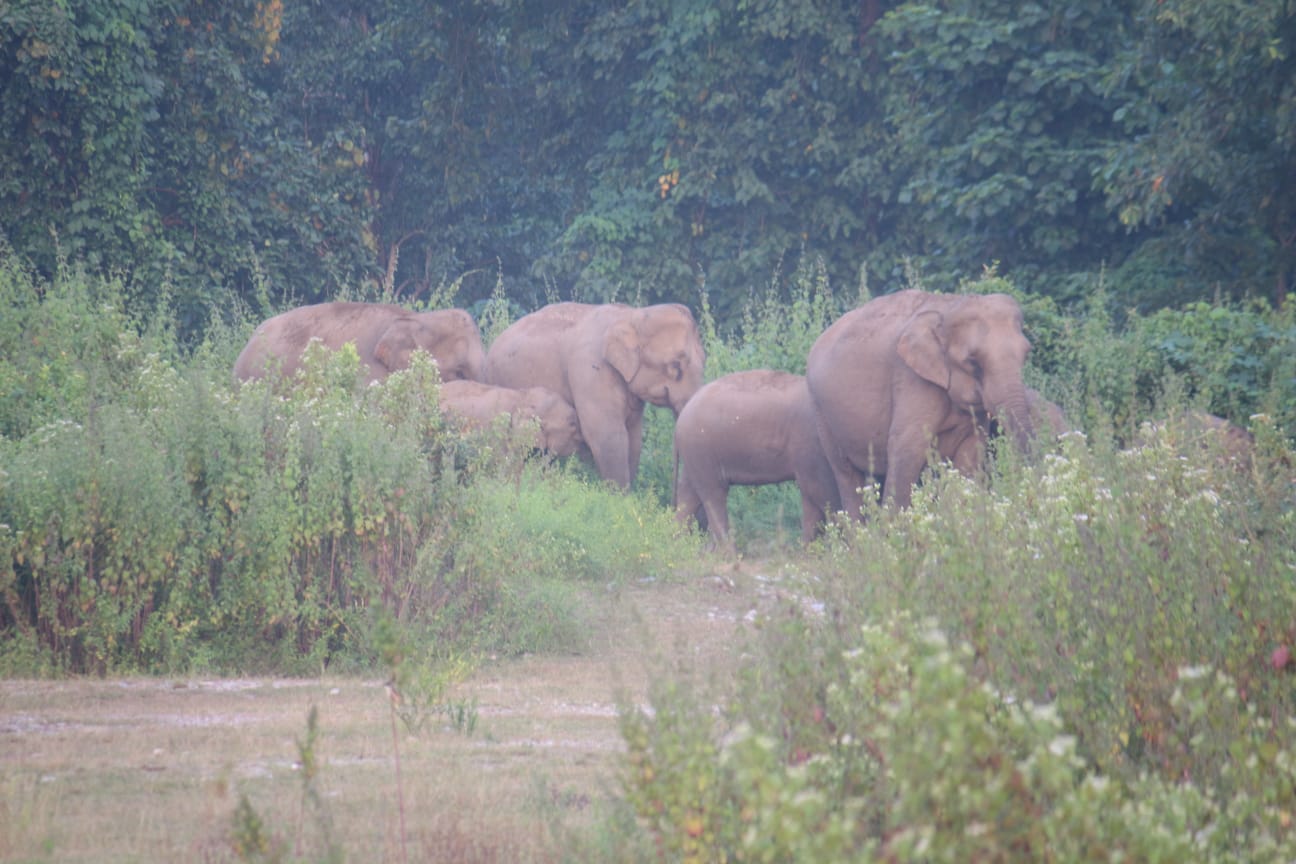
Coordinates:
(607, 361)
(747, 429)
(912, 371)
(384, 335)
(476, 405)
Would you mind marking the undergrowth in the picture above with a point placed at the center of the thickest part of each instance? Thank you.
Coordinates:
(1088, 660)
(1085, 656)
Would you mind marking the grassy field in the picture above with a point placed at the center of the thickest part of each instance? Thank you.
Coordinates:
(153, 769)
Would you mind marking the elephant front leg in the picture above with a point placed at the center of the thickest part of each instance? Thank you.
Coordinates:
(904, 466)
(609, 444)
(634, 442)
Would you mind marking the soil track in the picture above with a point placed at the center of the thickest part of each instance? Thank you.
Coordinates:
(152, 769)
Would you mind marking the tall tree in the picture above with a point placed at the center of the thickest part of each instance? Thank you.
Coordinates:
(1208, 155)
(78, 90)
(748, 130)
(140, 134)
(1001, 120)
(468, 119)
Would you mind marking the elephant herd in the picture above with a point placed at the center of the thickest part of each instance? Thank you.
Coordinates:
(885, 385)
(583, 371)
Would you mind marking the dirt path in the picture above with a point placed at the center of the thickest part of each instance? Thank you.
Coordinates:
(153, 769)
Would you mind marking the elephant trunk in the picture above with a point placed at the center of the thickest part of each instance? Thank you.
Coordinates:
(1013, 413)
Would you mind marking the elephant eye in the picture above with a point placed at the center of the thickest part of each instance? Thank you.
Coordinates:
(676, 370)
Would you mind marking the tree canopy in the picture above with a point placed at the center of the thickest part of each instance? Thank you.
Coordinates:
(263, 152)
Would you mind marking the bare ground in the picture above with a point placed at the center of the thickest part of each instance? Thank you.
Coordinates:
(154, 769)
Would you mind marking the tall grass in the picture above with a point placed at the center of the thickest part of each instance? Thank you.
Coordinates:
(1079, 658)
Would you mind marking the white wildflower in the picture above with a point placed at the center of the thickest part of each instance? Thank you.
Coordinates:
(1062, 745)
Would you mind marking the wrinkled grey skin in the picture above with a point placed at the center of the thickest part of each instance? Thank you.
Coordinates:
(476, 405)
(384, 336)
(748, 429)
(912, 371)
(607, 361)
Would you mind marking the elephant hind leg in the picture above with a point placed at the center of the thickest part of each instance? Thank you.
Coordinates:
(716, 507)
(688, 504)
(812, 518)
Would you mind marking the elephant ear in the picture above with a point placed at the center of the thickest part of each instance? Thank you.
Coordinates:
(394, 347)
(622, 349)
(922, 348)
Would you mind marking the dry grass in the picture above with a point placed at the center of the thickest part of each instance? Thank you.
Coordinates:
(153, 769)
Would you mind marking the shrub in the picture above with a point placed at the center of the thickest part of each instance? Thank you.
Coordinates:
(1078, 662)
(172, 522)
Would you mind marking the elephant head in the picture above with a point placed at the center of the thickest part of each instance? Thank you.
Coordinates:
(975, 351)
(449, 335)
(559, 427)
(658, 351)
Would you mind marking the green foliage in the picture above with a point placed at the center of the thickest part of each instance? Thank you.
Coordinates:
(726, 145)
(1231, 359)
(266, 151)
(155, 519)
(143, 139)
(1205, 153)
(1075, 664)
(66, 346)
(776, 328)
(999, 117)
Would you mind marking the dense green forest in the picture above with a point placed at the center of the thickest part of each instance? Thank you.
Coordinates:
(284, 152)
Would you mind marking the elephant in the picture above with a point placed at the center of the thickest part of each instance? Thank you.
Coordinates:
(476, 405)
(384, 335)
(914, 370)
(607, 360)
(750, 428)
(1195, 429)
(1046, 416)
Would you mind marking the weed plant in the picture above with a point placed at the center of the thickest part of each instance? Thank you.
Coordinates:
(1086, 660)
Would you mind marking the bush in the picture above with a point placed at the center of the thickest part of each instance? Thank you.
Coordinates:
(171, 522)
(1119, 367)
(1078, 663)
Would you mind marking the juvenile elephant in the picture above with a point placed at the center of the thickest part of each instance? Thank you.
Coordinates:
(747, 429)
(1046, 416)
(476, 406)
(911, 371)
(384, 335)
(607, 360)
(1194, 429)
